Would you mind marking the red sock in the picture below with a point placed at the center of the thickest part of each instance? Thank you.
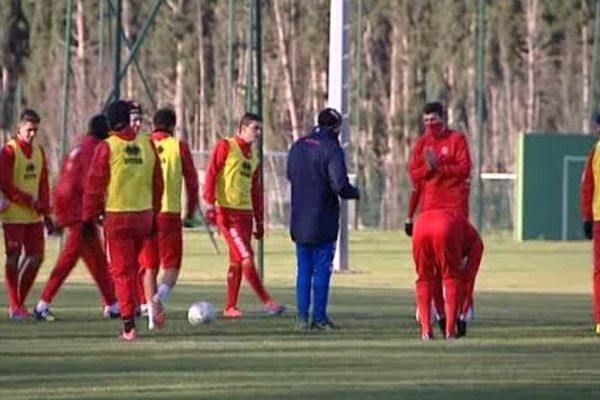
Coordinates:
(424, 306)
(10, 278)
(234, 280)
(254, 280)
(450, 297)
(27, 283)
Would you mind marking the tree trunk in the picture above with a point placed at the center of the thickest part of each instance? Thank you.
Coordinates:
(202, 104)
(585, 69)
(81, 81)
(127, 18)
(287, 73)
(532, 16)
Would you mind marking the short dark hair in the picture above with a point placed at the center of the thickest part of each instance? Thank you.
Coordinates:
(165, 120)
(117, 114)
(30, 115)
(247, 118)
(597, 119)
(330, 117)
(434, 107)
(98, 127)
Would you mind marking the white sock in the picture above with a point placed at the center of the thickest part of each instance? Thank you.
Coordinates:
(41, 305)
(163, 292)
(150, 315)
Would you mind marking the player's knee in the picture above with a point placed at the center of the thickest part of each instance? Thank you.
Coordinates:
(35, 261)
(247, 263)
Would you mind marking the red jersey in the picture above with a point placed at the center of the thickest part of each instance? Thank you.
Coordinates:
(590, 205)
(217, 162)
(68, 194)
(12, 192)
(97, 181)
(446, 186)
(190, 176)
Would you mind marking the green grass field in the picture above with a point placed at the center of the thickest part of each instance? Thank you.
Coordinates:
(532, 337)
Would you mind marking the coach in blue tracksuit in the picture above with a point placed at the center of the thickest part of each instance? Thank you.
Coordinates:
(317, 171)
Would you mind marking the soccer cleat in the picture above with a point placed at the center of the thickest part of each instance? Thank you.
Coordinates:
(18, 313)
(43, 315)
(324, 326)
(111, 311)
(273, 308)
(130, 336)
(597, 330)
(159, 316)
(302, 325)
(426, 337)
(451, 336)
(461, 328)
(232, 312)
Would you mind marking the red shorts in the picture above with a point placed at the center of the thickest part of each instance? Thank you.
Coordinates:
(236, 227)
(28, 238)
(166, 248)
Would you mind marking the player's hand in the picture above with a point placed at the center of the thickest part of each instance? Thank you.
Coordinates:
(430, 159)
(408, 227)
(88, 230)
(210, 215)
(588, 229)
(259, 231)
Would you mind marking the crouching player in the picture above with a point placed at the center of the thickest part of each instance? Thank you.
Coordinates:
(166, 247)
(437, 248)
(68, 197)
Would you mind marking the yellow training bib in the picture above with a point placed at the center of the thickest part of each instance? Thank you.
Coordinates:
(131, 174)
(172, 170)
(234, 183)
(27, 173)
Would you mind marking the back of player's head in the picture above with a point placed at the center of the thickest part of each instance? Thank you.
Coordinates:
(247, 119)
(117, 114)
(30, 115)
(597, 119)
(434, 107)
(165, 120)
(98, 126)
(330, 117)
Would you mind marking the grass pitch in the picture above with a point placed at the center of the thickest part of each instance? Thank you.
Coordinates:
(532, 337)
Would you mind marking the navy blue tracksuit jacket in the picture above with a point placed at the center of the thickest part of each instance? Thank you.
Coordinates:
(316, 168)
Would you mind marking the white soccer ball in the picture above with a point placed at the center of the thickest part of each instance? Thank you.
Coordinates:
(201, 312)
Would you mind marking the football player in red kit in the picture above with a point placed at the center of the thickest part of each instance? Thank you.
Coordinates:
(233, 197)
(24, 183)
(167, 247)
(125, 184)
(440, 166)
(68, 197)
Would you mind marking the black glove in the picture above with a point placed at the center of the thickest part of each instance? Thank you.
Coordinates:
(408, 228)
(88, 230)
(588, 229)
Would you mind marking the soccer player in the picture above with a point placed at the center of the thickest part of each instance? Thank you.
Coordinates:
(472, 253)
(166, 248)
(316, 169)
(590, 211)
(440, 166)
(233, 198)
(125, 184)
(68, 197)
(24, 182)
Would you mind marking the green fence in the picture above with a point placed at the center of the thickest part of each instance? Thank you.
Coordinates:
(548, 185)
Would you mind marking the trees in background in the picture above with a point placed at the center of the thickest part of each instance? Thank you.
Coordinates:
(538, 73)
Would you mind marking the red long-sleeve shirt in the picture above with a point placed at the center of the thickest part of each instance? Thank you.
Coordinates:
(98, 178)
(587, 189)
(446, 185)
(12, 192)
(68, 194)
(190, 176)
(217, 162)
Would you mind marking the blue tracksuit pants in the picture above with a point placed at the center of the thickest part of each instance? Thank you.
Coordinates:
(315, 263)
